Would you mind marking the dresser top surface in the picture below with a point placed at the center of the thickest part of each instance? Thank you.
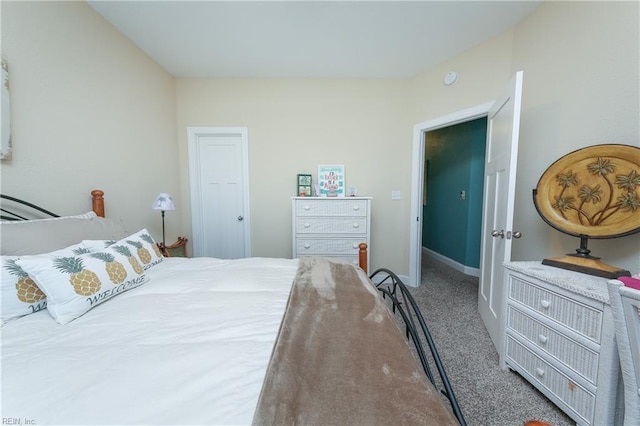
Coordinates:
(587, 285)
(331, 198)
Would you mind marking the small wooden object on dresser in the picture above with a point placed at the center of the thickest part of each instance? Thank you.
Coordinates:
(331, 227)
(559, 336)
(177, 249)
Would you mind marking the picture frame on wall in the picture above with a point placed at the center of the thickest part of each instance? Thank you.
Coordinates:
(331, 181)
(304, 185)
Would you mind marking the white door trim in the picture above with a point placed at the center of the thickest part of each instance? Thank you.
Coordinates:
(193, 133)
(417, 179)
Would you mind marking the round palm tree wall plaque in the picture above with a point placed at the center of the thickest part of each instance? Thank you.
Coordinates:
(591, 193)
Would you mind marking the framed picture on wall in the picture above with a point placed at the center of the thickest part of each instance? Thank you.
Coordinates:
(331, 181)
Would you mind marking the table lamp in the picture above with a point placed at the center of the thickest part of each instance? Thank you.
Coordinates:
(163, 203)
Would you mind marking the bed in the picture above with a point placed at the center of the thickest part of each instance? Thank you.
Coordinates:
(204, 341)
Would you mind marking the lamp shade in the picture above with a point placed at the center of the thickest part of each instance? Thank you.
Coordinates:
(163, 202)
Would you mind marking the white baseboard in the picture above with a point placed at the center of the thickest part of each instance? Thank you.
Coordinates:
(467, 270)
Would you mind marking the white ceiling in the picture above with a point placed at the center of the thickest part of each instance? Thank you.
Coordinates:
(322, 39)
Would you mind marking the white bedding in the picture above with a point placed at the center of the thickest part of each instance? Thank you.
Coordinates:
(191, 346)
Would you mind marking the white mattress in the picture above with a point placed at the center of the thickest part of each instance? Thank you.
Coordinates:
(191, 346)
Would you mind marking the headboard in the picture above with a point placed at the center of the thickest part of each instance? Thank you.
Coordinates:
(16, 209)
(97, 202)
(28, 229)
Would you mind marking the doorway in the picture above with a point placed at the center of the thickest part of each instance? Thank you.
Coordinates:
(503, 128)
(453, 195)
(417, 179)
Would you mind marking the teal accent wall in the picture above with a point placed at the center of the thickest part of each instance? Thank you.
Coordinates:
(455, 162)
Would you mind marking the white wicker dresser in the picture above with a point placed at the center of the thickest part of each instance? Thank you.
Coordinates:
(559, 336)
(332, 227)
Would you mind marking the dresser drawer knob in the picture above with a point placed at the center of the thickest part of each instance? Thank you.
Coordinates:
(356, 208)
(307, 245)
(542, 338)
(307, 207)
(539, 372)
(356, 225)
(307, 225)
(545, 303)
(354, 246)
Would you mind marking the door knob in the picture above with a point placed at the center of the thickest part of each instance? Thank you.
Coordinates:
(240, 218)
(495, 233)
(514, 235)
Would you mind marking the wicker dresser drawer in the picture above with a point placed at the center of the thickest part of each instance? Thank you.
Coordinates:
(337, 207)
(582, 318)
(576, 356)
(323, 246)
(537, 370)
(331, 225)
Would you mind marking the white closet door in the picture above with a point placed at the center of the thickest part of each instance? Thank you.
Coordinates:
(218, 169)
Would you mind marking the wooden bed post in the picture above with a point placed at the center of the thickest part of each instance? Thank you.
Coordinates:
(97, 202)
(363, 256)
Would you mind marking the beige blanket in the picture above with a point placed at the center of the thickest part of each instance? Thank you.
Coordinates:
(341, 358)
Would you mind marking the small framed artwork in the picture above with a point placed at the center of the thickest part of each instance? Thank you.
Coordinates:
(304, 185)
(331, 181)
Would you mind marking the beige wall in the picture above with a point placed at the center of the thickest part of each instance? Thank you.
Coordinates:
(581, 76)
(581, 88)
(295, 125)
(89, 110)
(482, 75)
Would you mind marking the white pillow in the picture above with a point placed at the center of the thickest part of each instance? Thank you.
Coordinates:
(141, 244)
(46, 235)
(20, 295)
(75, 284)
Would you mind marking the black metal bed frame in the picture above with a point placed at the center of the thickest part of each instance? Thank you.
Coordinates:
(9, 213)
(393, 288)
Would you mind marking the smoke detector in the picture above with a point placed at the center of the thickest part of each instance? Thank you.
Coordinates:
(450, 78)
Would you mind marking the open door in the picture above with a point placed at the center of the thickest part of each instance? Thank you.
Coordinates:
(503, 128)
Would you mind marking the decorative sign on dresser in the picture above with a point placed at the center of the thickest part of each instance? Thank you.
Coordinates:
(559, 336)
(331, 227)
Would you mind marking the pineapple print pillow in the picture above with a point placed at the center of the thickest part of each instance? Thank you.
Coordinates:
(76, 283)
(20, 294)
(141, 245)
